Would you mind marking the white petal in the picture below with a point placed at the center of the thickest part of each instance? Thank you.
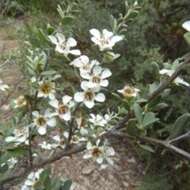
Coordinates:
(35, 113)
(79, 96)
(104, 83)
(168, 72)
(84, 85)
(87, 156)
(116, 39)
(186, 25)
(42, 130)
(89, 104)
(9, 139)
(95, 33)
(66, 99)
(51, 122)
(179, 80)
(75, 52)
(106, 73)
(110, 151)
(99, 160)
(71, 42)
(66, 116)
(100, 97)
(95, 62)
(97, 70)
(53, 39)
(54, 103)
(107, 33)
(60, 37)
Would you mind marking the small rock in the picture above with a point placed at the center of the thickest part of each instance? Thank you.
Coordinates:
(88, 170)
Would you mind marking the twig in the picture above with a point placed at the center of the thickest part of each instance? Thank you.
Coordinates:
(181, 137)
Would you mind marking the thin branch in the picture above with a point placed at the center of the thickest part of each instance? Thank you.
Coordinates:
(13, 179)
(181, 137)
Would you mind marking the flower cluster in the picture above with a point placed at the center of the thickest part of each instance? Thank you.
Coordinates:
(31, 180)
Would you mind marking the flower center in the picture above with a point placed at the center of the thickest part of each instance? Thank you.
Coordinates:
(63, 109)
(96, 79)
(21, 101)
(89, 95)
(96, 152)
(41, 121)
(46, 88)
(129, 91)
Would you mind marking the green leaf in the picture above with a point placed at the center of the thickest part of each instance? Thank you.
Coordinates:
(138, 113)
(67, 185)
(187, 37)
(180, 124)
(149, 119)
(147, 148)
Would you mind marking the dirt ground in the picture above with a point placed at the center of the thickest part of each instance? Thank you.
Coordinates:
(126, 172)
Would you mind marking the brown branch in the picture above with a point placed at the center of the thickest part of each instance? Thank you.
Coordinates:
(59, 154)
(164, 143)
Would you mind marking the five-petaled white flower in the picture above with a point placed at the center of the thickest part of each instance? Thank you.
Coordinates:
(101, 154)
(63, 108)
(20, 102)
(3, 87)
(19, 136)
(105, 39)
(57, 142)
(31, 180)
(88, 96)
(84, 64)
(186, 25)
(43, 121)
(129, 91)
(63, 45)
(177, 81)
(98, 77)
(99, 120)
(46, 89)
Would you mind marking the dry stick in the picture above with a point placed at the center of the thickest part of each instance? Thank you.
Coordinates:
(165, 143)
(121, 124)
(12, 179)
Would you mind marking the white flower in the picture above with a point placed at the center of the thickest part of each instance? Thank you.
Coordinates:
(98, 77)
(88, 96)
(101, 154)
(10, 162)
(84, 64)
(99, 120)
(63, 108)
(43, 121)
(105, 39)
(3, 87)
(186, 25)
(64, 45)
(19, 136)
(46, 89)
(177, 81)
(129, 91)
(31, 180)
(20, 102)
